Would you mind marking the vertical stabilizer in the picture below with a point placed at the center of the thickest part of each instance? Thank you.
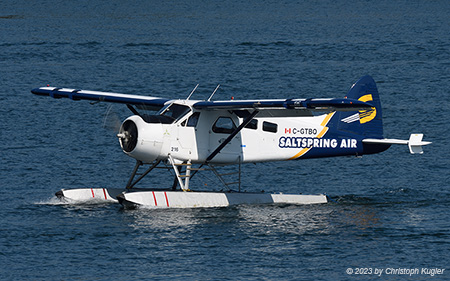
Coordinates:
(367, 123)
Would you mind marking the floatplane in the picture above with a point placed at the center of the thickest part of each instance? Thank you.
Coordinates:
(190, 136)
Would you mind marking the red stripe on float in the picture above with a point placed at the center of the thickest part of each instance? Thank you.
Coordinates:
(167, 200)
(104, 192)
(154, 198)
(92, 190)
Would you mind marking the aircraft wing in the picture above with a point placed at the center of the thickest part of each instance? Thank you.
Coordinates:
(310, 104)
(155, 103)
(73, 94)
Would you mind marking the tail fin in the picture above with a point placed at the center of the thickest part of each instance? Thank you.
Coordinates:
(364, 122)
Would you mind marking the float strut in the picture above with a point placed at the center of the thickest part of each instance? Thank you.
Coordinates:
(136, 167)
(175, 180)
(130, 183)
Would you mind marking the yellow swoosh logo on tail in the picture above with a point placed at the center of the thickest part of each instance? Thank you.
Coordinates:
(367, 115)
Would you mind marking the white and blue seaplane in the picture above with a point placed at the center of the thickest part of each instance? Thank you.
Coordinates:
(190, 136)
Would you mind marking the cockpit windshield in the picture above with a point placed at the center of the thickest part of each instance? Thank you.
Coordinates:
(174, 111)
(169, 114)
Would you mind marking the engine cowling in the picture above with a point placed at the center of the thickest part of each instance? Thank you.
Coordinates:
(141, 140)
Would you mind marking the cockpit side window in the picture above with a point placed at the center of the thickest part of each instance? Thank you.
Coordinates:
(193, 120)
(224, 125)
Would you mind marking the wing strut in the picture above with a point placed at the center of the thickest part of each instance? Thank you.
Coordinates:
(228, 139)
(132, 109)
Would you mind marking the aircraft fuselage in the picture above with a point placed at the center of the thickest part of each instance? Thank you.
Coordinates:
(195, 135)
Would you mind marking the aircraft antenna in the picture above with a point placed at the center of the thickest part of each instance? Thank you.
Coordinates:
(192, 92)
(214, 92)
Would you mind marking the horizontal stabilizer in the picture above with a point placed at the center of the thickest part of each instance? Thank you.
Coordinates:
(414, 143)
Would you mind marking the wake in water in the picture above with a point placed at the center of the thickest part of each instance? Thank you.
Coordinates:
(391, 196)
(53, 201)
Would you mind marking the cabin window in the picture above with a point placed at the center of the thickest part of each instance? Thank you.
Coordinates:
(193, 120)
(224, 125)
(270, 127)
(252, 125)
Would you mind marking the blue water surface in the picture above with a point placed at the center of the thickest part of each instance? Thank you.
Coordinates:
(389, 210)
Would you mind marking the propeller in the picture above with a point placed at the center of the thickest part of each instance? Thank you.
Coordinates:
(111, 120)
(127, 132)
